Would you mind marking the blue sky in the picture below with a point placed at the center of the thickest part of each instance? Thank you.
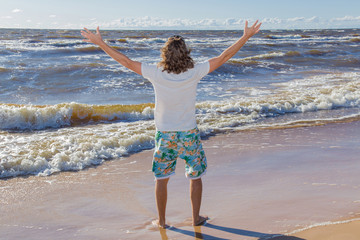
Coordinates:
(185, 14)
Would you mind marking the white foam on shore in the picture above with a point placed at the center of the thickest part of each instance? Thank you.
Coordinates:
(323, 224)
(50, 151)
(47, 152)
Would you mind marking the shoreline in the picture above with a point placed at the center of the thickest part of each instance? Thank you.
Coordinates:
(346, 229)
(260, 183)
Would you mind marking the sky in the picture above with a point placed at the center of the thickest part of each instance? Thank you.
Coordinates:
(185, 14)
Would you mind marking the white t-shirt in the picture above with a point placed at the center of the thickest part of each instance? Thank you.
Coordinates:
(175, 96)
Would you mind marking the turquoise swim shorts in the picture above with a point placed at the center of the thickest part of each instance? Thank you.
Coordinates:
(169, 145)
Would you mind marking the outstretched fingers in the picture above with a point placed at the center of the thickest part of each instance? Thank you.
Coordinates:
(255, 24)
(88, 35)
(254, 29)
(87, 30)
(85, 35)
(257, 28)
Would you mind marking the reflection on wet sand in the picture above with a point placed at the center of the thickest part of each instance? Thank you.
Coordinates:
(197, 233)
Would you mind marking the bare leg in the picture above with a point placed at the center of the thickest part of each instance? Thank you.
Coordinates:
(161, 199)
(195, 195)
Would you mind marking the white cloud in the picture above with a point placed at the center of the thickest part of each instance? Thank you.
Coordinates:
(147, 22)
(348, 18)
(230, 22)
(303, 19)
(153, 23)
(274, 20)
(312, 19)
(296, 19)
(16, 10)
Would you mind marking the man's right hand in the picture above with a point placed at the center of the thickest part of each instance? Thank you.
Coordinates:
(251, 31)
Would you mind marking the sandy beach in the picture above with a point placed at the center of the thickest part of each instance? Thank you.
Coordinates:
(339, 230)
(261, 184)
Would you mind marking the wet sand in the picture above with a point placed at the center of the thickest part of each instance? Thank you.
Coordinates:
(259, 184)
(339, 231)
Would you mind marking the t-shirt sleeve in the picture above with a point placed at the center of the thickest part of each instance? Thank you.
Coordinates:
(148, 71)
(203, 69)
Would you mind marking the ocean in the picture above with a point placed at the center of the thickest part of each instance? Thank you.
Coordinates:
(65, 105)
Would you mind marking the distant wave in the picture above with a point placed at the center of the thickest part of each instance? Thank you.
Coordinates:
(286, 36)
(355, 40)
(316, 52)
(4, 70)
(259, 57)
(270, 55)
(296, 57)
(74, 67)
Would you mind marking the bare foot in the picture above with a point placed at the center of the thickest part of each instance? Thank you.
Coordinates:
(156, 223)
(201, 221)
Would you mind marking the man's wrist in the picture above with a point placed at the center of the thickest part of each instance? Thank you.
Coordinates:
(102, 44)
(246, 36)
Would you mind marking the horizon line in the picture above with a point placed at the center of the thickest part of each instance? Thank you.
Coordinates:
(174, 29)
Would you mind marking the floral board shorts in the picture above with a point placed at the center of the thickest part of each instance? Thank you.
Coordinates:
(169, 145)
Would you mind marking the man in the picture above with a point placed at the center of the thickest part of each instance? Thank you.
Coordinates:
(175, 80)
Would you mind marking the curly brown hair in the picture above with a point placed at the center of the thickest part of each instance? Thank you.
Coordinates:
(176, 56)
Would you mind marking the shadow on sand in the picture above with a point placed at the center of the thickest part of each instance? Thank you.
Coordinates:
(197, 234)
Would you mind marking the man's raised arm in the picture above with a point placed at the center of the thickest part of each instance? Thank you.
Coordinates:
(233, 49)
(116, 55)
